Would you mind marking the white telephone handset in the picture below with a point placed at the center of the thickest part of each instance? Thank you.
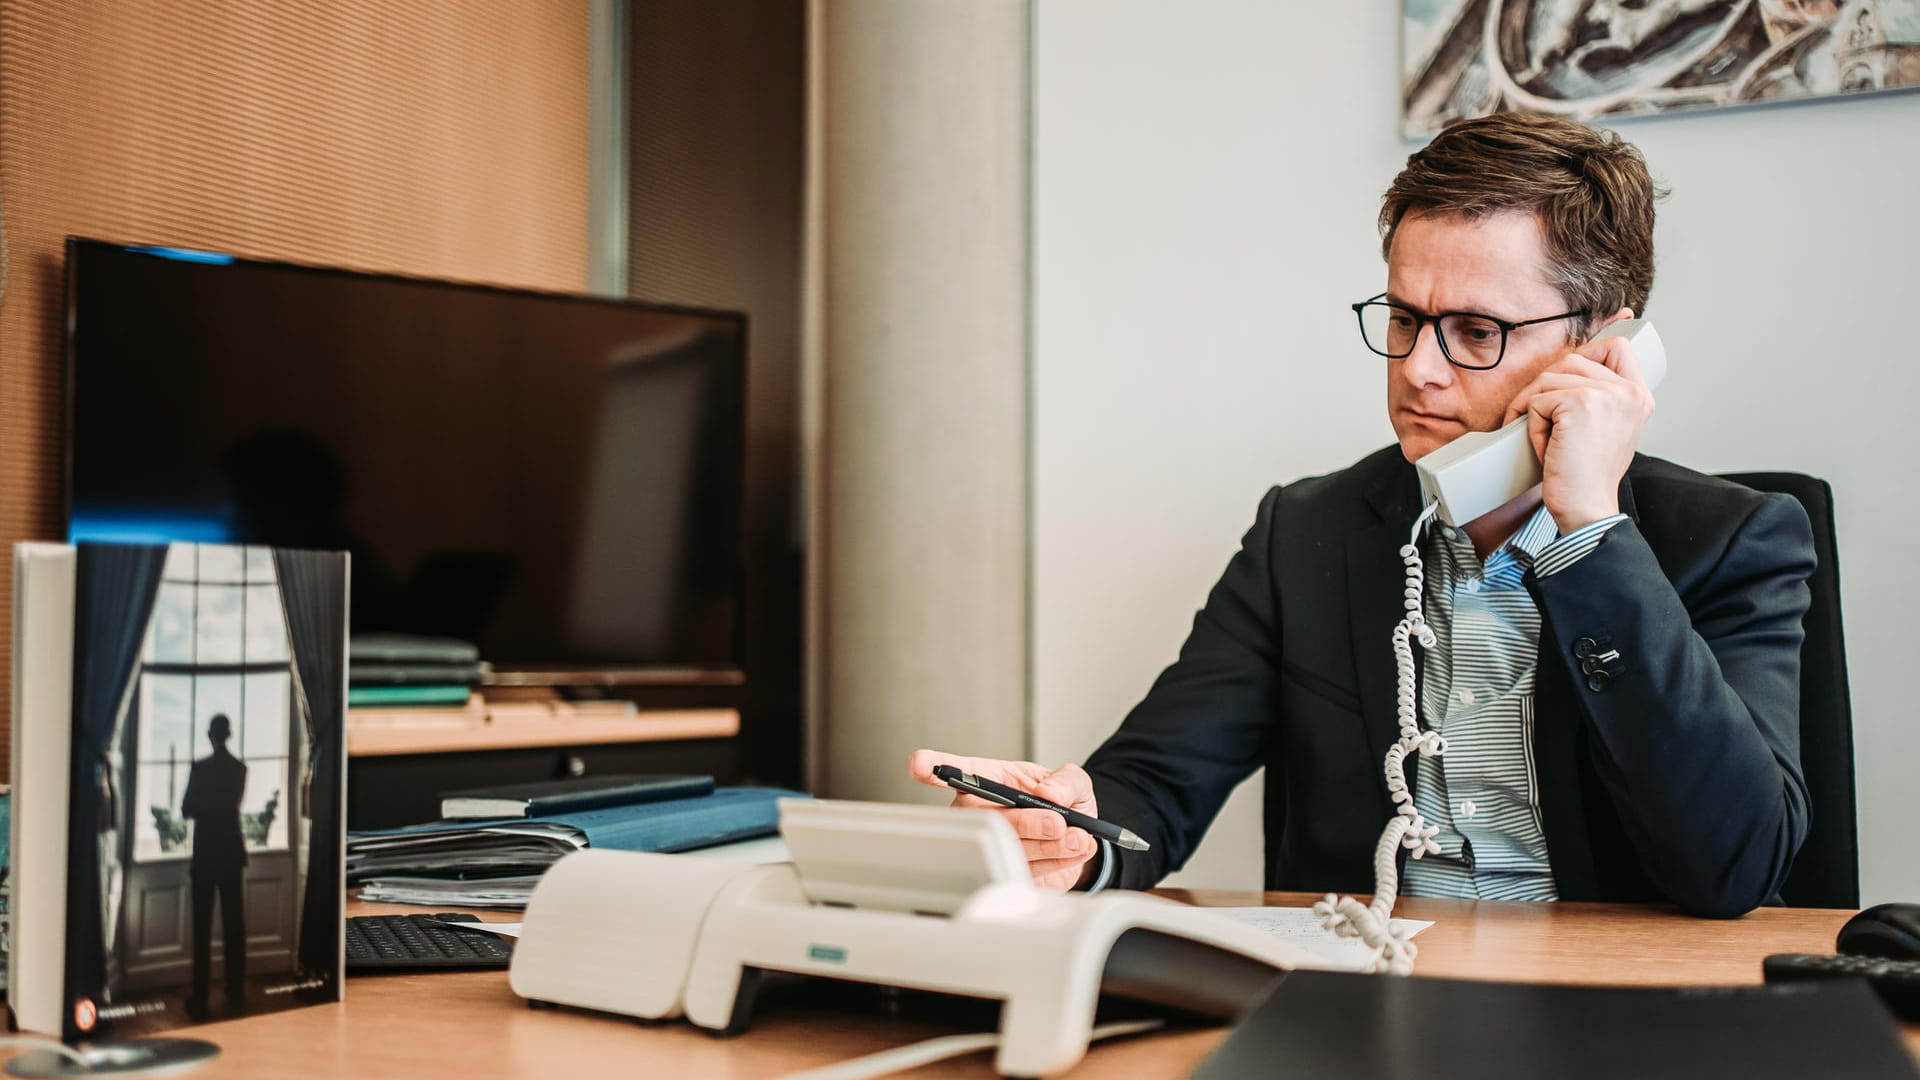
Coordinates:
(1484, 470)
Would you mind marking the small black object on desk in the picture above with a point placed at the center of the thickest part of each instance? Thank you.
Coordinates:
(1896, 981)
(1889, 930)
(1880, 945)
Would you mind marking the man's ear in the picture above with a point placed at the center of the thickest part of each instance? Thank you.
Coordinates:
(1623, 313)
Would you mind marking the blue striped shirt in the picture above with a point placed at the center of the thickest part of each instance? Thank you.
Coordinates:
(1477, 690)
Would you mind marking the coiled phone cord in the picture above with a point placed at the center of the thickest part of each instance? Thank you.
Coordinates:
(1393, 952)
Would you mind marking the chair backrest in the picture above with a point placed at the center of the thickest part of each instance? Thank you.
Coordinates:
(1827, 871)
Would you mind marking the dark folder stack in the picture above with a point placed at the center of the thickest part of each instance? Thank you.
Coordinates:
(496, 863)
(388, 670)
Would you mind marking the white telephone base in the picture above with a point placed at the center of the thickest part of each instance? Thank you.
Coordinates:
(658, 936)
(1484, 470)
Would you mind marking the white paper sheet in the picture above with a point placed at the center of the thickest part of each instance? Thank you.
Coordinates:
(1301, 927)
(504, 929)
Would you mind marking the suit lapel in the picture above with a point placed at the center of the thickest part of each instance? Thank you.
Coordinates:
(1559, 716)
(1376, 578)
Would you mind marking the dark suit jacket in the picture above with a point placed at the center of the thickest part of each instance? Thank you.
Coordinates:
(1679, 780)
(215, 786)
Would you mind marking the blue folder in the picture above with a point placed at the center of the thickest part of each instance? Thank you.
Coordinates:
(727, 815)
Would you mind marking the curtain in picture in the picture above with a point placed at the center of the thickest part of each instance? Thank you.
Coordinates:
(313, 585)
(113, 600)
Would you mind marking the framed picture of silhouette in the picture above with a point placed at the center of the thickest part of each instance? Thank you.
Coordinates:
(205, 812)
(1604, 58)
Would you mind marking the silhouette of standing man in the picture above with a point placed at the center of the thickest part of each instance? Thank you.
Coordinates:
(214, 788)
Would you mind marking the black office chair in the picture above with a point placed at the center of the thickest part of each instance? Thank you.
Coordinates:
(1827, 871)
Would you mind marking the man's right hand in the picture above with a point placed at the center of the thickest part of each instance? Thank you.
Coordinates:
(1058, 855)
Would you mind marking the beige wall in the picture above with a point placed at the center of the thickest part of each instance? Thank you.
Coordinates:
(445, 139)
(919, 386)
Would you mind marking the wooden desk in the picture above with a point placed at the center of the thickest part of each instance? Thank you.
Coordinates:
(471, 1024)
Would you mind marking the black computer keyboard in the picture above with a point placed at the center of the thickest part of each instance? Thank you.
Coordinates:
(394, 942)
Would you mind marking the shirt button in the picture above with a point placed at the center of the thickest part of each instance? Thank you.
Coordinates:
(1465, 696)
(1473, 585)
(1467, 810)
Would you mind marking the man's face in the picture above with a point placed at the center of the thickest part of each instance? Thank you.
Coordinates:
(1495, 265)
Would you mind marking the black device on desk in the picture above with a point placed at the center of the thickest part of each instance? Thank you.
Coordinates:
(414, 942)
(1337, 1025)
(1880, 945)
(1888, 930)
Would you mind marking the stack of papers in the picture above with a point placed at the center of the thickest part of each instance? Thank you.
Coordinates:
(492, 866)
(495, 864)
(1303, 928)
(508, 892)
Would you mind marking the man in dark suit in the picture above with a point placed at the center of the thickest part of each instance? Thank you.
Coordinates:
(214, 789)
(1616, 677)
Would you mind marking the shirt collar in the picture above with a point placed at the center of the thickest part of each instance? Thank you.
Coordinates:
(1533, 537)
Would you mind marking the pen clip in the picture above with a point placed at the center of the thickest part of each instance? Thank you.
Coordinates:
(968, 784)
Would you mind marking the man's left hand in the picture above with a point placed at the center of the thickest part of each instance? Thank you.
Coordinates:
(1585, 414)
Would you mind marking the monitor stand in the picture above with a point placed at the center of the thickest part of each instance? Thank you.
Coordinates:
(122, 1058)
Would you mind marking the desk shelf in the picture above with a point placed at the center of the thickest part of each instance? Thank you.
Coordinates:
(518, 724)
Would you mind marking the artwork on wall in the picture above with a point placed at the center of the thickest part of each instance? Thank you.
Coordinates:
(1590, 58)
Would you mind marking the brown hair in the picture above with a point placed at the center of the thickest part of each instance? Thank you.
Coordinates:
(1590, 190)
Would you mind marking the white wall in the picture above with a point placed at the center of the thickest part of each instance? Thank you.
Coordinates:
(918, 351)
(1206, 177)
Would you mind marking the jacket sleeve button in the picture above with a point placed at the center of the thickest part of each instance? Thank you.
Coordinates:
(1597, 681)
(1585, 647)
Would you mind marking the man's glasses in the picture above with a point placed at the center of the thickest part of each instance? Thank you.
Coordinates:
(1468, 339)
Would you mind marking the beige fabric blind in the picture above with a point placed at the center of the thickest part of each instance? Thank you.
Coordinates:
(440, 138)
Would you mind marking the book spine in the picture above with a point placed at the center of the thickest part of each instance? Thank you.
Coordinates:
(43, 597)
(407, 695)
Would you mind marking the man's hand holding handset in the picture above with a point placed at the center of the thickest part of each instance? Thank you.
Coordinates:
(1585, 414)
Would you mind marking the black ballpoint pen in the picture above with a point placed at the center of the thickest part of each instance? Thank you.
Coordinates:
(995, 792)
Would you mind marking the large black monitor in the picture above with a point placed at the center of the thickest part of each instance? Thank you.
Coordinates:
(555, 478)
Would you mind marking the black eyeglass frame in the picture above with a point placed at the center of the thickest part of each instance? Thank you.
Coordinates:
(1421, 319)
